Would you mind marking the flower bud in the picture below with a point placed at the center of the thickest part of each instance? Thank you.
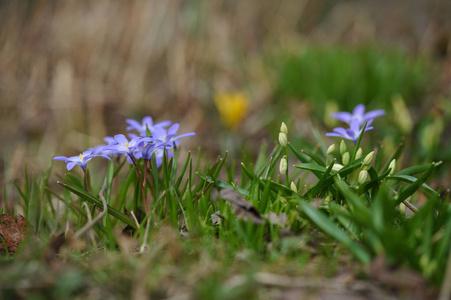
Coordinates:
(366, 164)
(293, 187)
(392, 166)
(331, 149)
(363, 175)
(327, 199)
(402, 208)
(283, 139)
(283, 165)
(345, 158)
(284, 128)
(343, 147)
(358, 153)
(337, 167)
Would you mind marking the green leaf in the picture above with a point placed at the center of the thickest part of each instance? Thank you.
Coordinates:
(415, 185)
(411, 179)
(320, 186)
(314, 157)
(93, 200)
(326, 225)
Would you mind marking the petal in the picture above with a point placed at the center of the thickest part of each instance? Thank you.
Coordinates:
(87, 152)
(173, 129)
(335, 134)
(71, 165)
(340, 130)
(373, 114)
(121, 139)
(162, 124)
(159, 133)
(134, 125)
(147, 121)
(358, 111)
(185, 135)
(342, 116)
(110, 140)
(355, 125)
(60, 158)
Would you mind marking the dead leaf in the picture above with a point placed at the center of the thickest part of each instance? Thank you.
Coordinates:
(12, 230)
(216, 218)
(241, 207)
(277, 219)
(404, 281)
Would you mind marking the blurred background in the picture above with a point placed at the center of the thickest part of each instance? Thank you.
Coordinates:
(71, 72)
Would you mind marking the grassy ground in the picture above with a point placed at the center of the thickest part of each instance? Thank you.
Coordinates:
(224, 222)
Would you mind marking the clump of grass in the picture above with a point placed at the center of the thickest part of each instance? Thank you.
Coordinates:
(351, 76)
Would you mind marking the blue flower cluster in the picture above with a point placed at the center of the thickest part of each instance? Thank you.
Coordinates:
(152, 139)
(356, 121)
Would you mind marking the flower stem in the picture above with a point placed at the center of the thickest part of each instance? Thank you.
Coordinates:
(141, 183)
(85, 173)
(286, 173)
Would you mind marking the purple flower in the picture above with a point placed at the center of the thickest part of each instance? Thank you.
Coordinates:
(100, 150)
(359, 114)
(159, 153)
(146, 150)
(351, 133)
(147, 123)
(81, 160)
(110, 140)
(167, 137)
(124, 146)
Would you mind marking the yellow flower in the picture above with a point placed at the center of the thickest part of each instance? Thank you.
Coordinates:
(232, 108)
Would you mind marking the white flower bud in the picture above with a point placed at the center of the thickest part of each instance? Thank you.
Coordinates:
(392, 166)
(345, 158)
(366, 164)
(283, 139)
(358, 153)
(363, 176)
(337, 167)
(293, 187)
(283, 165)
(343, 147)
(284, 128)
(327, 199)
(331, 149)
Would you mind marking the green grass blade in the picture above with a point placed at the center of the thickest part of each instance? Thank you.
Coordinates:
(91, 199)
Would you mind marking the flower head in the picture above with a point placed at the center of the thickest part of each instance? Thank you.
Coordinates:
(81, 160)
(232, 108)
(168, 137)
(124, 146)
(145, 150)
(351, 133)
(359, 114)
(146, 124)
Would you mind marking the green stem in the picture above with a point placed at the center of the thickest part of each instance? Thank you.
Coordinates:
(85, 173)
(357, 145)
(141, 183)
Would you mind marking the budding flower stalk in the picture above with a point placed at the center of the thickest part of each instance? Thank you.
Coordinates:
(358, 153)
(366, 164)
(331, 149)
(343, 147)
(293, 187)
(363, 176)
(283, 165)
(337, 167)
(345, 158)
(284, 128)
(392, 166)
(283, 139)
